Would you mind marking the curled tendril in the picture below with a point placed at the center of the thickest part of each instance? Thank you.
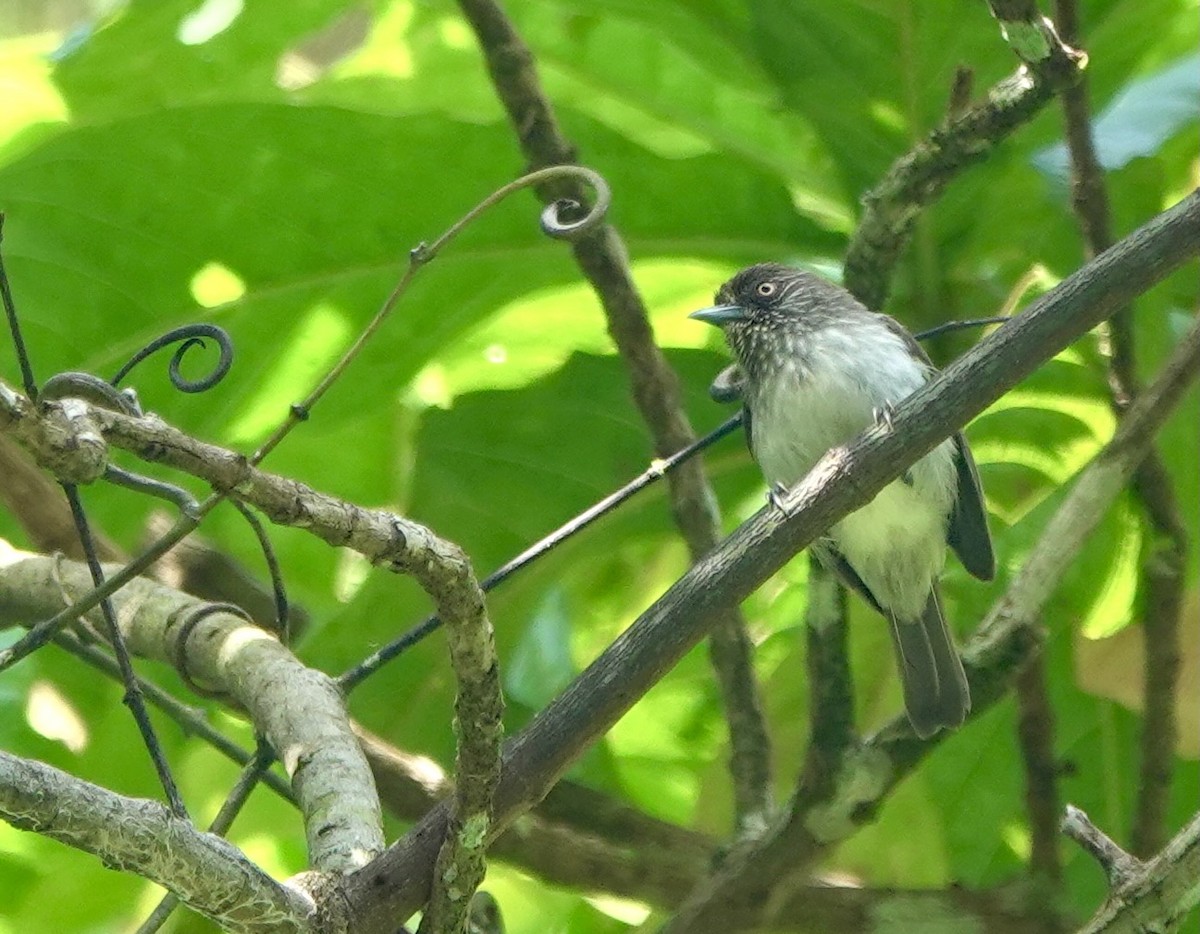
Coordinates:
(553, 217)
(553, 224)
(191, 335)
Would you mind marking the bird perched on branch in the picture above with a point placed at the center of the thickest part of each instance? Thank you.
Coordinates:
(818, 368)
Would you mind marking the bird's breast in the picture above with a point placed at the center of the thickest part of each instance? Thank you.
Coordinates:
(825, 392)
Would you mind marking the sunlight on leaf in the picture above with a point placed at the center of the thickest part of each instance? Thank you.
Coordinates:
(386, 50)
(26, 87)
(623, 909)
(1016, 837)
(264, 850)
(316, 342)
(52, 715)
(535, 335)
(352, 572)
(1111, 610)
(215, 284)
(207, 22)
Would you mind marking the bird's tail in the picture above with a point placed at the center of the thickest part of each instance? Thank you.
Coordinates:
(935, 685)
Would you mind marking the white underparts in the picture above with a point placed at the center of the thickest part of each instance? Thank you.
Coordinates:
(827, 396)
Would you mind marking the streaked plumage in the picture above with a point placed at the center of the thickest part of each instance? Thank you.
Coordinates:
(818, 367)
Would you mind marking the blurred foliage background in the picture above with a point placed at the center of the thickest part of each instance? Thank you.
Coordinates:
(268, 166)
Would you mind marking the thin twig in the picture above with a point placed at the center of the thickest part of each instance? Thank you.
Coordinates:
(133, 698)
(28, 383)
(352, 677)
(1163, 559)
(424, 254)
(1118, 865)
(963, 138)
(603, 258)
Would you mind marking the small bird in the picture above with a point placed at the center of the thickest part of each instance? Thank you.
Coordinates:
(818, 368)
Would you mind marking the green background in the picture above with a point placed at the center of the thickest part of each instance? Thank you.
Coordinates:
(270, 176)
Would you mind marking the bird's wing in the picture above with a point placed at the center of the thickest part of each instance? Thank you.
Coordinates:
(835, 562)
(967, 533)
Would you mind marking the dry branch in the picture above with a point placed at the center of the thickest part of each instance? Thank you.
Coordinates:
(1155, 895)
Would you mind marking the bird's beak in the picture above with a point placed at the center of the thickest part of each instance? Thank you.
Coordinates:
(719, 314)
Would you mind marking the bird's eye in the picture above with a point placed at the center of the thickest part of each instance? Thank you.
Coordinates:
(766, 289)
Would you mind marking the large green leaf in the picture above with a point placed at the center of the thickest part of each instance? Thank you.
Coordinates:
(269, 171)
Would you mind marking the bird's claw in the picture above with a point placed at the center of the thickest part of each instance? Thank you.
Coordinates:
(777, 496)
(883, 415)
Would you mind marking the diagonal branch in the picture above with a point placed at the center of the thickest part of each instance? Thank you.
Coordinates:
(1155, 895)
(602, 256)
(206, 872)
(843, 480)
(827, 809)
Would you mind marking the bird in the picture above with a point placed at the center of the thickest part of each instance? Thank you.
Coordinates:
(818, 368)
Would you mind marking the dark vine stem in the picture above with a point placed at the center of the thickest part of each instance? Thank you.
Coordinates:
(192, 335)
(353, 677)
(262, 759)
(133, 693)
(278, 589)
(14, 325)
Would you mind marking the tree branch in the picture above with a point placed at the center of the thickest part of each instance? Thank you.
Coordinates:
(189, 719)
(602, 256)
(1152, 896)
(1035, 733)
(1034, 39)
(207, 873)
(845, 479)
(296, 708)
(441, 568)
(964, 137)
(1118, 866)
(828, 807)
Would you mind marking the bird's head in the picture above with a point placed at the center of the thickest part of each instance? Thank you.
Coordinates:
(768, 308)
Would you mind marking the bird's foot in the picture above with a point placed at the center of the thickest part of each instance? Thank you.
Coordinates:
(777, 497)
(883, 415)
